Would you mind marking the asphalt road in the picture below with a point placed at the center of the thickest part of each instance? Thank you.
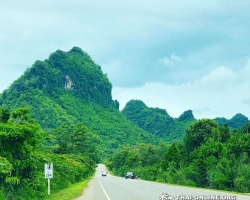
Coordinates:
(118, 188)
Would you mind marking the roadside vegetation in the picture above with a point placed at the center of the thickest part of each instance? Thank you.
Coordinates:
(209, 156)
(24, 153)
(71, 192)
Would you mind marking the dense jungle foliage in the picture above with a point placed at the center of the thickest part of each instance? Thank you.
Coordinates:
(236, 122)
(157, 121)
(73, 71)
(209, 156)
(23, 155)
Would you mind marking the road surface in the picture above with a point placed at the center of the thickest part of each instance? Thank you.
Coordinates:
(118, 188)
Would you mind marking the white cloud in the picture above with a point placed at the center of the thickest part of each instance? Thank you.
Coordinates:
(167, 62)
(170, 61)
(245, 73)
(219, 75)
(201, 96)
(220, 79)
(175, 57)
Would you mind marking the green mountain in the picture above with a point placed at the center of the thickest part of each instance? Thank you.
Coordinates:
(69, 87)
(73, 72)
(244, 129)
(187, 117)
(235, 122)
(157, 121)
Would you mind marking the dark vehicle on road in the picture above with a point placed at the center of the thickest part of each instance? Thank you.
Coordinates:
(130, 175)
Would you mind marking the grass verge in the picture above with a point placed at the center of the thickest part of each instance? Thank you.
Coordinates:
(70, 193)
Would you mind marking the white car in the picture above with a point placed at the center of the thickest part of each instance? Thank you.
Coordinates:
(104, 173)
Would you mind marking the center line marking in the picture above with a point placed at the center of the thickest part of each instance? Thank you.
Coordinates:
(104, 190)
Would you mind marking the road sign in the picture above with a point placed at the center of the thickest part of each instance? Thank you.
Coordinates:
(48, 170)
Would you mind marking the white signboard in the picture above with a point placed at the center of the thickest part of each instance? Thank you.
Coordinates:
(48, 170)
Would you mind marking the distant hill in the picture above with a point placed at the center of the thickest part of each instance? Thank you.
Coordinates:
(69, 87)
(157, 121)
(244, 129)
(235, 122)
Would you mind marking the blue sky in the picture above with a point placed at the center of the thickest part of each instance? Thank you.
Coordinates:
(176, 55)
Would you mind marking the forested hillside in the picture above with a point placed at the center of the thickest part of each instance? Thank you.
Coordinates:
(235, 122)
(70, 88)
(157, 121)
(72, 72)
(209, 156)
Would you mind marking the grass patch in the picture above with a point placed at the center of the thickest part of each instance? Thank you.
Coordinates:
(70, 193)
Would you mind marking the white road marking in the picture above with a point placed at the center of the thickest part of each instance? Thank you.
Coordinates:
(104, 190)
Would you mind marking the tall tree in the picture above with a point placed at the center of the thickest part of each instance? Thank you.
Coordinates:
(20, 137)
(198, 133)
(76, 139)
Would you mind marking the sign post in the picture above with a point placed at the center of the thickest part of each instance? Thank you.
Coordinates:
(48, 186)
(48, 173)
